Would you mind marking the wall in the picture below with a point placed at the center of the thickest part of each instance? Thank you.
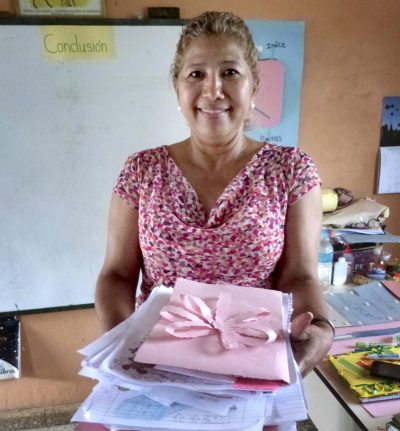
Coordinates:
(352, 60)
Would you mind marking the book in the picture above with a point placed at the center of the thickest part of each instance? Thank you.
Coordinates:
(354, 368)
(10, 348)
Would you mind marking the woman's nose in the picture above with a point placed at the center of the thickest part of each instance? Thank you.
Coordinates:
(212, 87)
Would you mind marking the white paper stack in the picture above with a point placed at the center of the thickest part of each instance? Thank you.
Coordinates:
(139, 396)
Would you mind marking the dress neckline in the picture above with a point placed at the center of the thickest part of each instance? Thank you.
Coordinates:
(207, 218)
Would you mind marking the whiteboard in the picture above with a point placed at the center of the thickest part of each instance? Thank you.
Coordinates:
(66, 129)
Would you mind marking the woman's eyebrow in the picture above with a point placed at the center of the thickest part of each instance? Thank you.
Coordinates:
(203, 64)
(193, 65)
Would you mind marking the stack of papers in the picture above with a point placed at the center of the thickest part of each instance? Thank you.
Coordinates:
(177, 372)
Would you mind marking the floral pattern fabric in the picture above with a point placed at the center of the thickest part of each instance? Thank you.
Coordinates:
(239, 241)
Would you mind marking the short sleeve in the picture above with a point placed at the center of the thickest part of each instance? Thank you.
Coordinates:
(304, 176)
(128, 182)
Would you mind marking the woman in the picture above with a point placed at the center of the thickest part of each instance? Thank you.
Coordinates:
(217, 206)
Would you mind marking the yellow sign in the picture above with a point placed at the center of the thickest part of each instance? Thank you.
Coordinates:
(75, 42)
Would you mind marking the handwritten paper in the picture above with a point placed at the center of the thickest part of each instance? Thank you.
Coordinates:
(110, 405)
(366, 305)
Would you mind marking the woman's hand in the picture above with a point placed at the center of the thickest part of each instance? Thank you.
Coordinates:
(310, 341)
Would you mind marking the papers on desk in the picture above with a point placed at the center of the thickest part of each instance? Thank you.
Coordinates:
(361, 231)
(134, 395)
(367, 235)
(358, 238)
(367, 304)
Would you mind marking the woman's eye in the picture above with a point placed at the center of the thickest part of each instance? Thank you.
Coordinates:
(231, 72)
(195, 74)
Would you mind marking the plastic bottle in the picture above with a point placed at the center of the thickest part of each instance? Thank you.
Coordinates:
(325, 259)
(349, 257)
(340, 271)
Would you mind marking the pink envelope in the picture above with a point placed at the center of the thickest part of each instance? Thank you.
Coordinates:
(252, 358)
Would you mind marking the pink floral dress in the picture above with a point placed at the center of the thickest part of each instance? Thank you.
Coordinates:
(242, 238)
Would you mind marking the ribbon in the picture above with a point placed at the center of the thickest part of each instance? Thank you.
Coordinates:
(194, 318)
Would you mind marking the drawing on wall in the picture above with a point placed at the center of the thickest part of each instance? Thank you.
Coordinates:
(390, 125)
(280, 46)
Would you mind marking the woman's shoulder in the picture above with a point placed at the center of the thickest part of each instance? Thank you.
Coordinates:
(281, 150)
(147, 157)
(284, 155)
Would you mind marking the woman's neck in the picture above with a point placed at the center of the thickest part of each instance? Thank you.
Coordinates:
(215, 156)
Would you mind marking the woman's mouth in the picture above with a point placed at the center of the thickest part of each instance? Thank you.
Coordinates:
(213, 112)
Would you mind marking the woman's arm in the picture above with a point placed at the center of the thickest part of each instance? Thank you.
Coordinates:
(117, 281)
(297, 274)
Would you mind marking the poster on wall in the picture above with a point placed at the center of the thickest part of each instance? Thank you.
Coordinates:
(390, 124)
(61, 7)
(276, 115)
(388, 180)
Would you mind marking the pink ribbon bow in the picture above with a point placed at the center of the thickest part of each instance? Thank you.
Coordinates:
(194, 318)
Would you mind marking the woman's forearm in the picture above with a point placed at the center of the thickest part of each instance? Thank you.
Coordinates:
(115, 299)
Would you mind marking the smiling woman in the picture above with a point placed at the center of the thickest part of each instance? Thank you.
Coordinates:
(217, 206)
(215, 88)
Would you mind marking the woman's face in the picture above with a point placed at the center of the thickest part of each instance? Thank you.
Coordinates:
(214, 88)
